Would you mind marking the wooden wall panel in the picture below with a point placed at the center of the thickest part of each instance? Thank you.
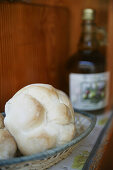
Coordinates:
(75, 7)
(33, 45)
(110, 49)
(37, 38)
(106, 161)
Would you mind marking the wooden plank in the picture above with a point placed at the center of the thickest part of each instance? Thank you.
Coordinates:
(37, 39)
(34, 43)
(109, 51)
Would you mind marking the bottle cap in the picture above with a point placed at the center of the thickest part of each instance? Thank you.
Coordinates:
(88, 14)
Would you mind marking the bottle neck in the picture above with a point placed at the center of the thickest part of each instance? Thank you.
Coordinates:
(88, 40)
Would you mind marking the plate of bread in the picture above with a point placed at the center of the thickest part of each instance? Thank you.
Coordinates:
(40, 128)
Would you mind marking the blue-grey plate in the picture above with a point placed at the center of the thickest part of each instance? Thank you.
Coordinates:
(85, 123)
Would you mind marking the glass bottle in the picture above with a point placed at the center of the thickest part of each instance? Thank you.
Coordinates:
(88, 78)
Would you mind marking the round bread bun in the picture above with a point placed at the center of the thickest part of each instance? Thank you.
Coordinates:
(7, 143)
(39, 117)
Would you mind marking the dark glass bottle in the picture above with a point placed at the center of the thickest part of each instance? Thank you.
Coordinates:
(88, 79)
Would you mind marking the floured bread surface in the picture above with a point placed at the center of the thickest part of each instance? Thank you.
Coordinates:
(39, 117)
(7, 142)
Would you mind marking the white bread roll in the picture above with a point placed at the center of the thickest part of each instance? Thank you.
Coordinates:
(39, 117)
(7, 143)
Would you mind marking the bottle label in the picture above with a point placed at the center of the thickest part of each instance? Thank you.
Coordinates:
(89, 91)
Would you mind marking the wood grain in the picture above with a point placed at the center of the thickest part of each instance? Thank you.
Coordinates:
(75, 7)
(33, 46)
(37, 38)
(109, 50)
(106, 161)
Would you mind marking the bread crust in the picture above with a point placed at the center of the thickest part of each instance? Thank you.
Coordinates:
(39, 117)
(7, 143)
